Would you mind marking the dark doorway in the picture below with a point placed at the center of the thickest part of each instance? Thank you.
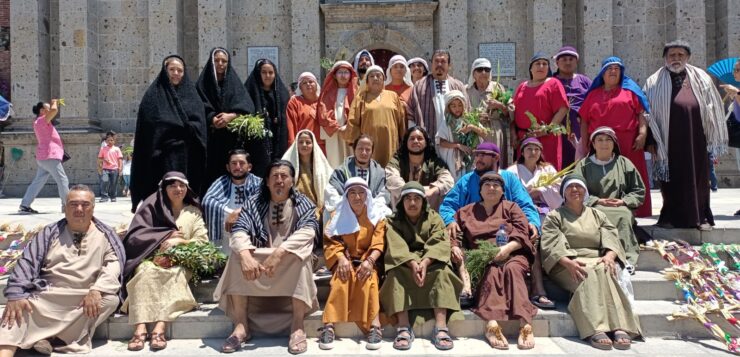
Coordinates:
(382, 57)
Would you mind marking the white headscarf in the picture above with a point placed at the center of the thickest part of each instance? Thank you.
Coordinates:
(577, 181)
(479, 63)
(406, 77)
(344, 220)
(304, 76)
(373, 68)
(322, 170)
(359, 54)
(418, 60)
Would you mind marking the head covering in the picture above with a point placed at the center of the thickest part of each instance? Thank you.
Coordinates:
(322, 170)
(153, 223)
(227, 96)
(171, 117)
(487, 147)
(306, 76)
(419, 60)
(479, 63)
(566, 51)
(328, 95)
(626, 82)
(406, 77)
(530, 141)
(360, 54)
(344, 220)
(539, 56)
(577, 179)
(411, 187)
(272, 105)
(373, 68)
(604, 130)
(490, 176)
(6, 109)
(677, 44)
(452, 95)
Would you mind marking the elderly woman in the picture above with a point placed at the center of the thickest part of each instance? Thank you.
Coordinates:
(303, 109)
(502, 293)
(313, 170)
(336, 97)
(378, 113)
(419, 275)
(615, 186)
(225, 98)
(543, 97)
(270, 97)
(582, 254)
(616, 101)
(418, 67)
(530, 169)
(171, 132)
(353, 242)
(494, 114)
(398, 78)
(169, 217)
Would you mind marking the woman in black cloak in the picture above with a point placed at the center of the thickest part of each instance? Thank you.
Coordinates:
(270, 98)
(171, 132)
(224, 98)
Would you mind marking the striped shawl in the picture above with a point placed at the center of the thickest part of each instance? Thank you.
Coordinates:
(216, 200)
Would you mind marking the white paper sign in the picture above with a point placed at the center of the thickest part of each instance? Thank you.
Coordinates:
(501, 53)
(257, 53)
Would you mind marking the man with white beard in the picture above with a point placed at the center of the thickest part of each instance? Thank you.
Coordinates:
(687, 120)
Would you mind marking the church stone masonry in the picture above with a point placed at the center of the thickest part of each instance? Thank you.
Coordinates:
(101, 55)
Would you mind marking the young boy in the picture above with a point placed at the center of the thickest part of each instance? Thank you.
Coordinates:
(110, 164)
(455, 137)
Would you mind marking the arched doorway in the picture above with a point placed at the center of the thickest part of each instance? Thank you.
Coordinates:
(382, 57)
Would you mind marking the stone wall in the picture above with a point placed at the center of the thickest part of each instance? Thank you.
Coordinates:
(5, 48)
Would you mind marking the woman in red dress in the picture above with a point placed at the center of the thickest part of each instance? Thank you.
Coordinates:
(616, 101)
(545, 98)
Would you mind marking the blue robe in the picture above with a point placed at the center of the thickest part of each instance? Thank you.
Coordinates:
(467, 191)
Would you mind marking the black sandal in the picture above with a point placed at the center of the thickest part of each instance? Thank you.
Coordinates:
(437, 341)
(409, 339)
(535, 300)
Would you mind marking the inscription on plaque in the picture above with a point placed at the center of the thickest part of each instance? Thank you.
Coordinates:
(502, 54)
(256, 53)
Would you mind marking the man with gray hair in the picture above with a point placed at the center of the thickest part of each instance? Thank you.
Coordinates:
(687, 121)
(66, 283)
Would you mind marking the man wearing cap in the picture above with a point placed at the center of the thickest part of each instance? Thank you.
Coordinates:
(467, 191)
(576, 85)
(426, 107)
(687, 120)
(267, 284)
(494, 115)
(66, 283)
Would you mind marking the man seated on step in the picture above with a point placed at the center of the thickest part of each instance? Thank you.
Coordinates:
(267, 284)
(66, 283)
(224, 199)
(360, 165)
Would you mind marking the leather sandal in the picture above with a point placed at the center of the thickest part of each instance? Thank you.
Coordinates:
(600, 345)
(621, 335)
(297, 343)
(233, 344)
(495, 333)
(157, 341)
(524, 332)
(136, 343)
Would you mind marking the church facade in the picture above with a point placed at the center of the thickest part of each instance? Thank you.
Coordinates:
(101, 55)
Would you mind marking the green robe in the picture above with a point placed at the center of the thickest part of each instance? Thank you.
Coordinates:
(598, 304)
(405, 242)
(617, 179)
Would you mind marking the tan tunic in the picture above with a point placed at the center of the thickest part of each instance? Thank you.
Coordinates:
(71, 274)
(269, 305)
(163, 294)
(382, 118)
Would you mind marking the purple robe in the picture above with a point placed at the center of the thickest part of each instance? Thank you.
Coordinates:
(575, 90)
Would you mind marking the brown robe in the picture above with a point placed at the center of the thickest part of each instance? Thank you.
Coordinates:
(502, 294)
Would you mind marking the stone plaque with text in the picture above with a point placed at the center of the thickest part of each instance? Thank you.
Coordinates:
(501, 54)
(256, 53)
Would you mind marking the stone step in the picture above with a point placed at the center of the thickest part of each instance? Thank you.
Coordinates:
(722, 233)
(210, 322)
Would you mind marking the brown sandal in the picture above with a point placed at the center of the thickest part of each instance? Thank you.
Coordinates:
(524, 332)
(497, 334)
(157, 341)
(136, 343)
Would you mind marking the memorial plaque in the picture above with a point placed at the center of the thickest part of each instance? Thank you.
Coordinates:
(256, 53)
(502, 54)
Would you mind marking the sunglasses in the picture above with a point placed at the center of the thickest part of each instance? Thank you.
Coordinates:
(487, 70)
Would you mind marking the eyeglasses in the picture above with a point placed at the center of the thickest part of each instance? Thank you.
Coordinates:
(487, 70)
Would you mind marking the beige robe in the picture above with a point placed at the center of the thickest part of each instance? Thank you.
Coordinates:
(163, 294)
(598, 304)
(269, 304)
(71, 274)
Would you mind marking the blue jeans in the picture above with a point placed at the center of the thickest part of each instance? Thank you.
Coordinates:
(108, 183)
(712, 174)
(53, 168)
